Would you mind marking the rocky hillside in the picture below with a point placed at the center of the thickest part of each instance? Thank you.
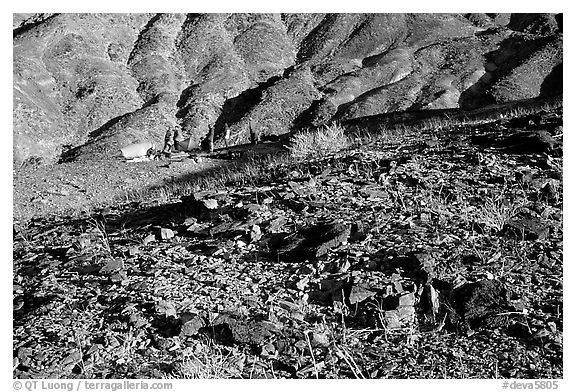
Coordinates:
(87, 84)
(423, 254)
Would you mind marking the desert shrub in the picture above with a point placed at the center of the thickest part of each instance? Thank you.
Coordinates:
(211, 361)
(497, 211)
(323, 141)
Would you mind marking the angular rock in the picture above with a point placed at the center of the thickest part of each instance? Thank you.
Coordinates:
(190, 221)
(431, 300)
(198, 229)
(88, 269)
(375, 194)
(166, 234)
(546, 261)
(148, 239)
(255, 233)
(113, 266)
(292, 309)
(202, 209)
(480, 304)
(210, 204)
(277, 225)
(72, 359)
(456, 282)
(134, 250)
(401, 317)
(112, 341)
(166, 308)
(268, 349)
(549, 191)
(229, 229)
(191, 324)
(24, 354)
(524, 177)
(359, 294)
(331, 290)
(229, 329)
(302, 283)
(527, 228)
(137, 320)
(119, 277)
(314, 242)
(406, 300)
(416, 265)
(337, 266)
(252, 207)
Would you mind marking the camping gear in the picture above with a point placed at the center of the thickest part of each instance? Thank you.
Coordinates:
(184, 145)
(137, 150)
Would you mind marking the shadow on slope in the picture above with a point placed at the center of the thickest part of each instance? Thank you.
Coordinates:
(511, 53)
(237, 107)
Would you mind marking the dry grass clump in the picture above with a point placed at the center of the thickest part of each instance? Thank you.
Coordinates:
(497, 211)
(324, 141)
(211, 361)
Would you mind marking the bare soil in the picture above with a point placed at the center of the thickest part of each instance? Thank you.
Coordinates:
(71, 188)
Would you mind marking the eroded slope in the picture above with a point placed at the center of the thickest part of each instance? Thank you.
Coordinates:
(87, 84)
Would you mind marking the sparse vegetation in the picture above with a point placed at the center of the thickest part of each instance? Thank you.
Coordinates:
(318, 143)
(428, 209)
(497, 211)
(208, 360)
(254, 169)
(340, 211)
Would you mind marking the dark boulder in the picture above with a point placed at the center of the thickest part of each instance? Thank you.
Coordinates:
(480, 304)
(313, 242)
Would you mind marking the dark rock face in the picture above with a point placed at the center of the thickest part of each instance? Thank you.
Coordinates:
(92, 83)
(534, 23)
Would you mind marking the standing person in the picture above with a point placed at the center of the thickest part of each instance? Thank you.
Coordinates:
(254, 134)
(207, 144)
(210, 140)
(226, 134)
(172, 137)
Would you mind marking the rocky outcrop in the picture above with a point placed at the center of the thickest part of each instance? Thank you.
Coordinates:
(87, 84)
